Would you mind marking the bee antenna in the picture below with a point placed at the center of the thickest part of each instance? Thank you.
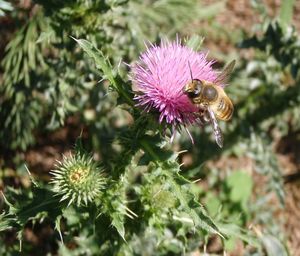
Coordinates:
(190, 71)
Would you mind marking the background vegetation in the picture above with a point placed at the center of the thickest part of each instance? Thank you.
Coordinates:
(64, 90)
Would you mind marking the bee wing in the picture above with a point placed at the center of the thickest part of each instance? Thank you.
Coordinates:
(217, 131)
(222, 78)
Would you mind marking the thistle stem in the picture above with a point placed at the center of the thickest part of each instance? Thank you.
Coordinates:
(147, 148)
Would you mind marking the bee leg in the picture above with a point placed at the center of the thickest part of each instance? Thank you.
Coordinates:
(203, 118)
(216, 129)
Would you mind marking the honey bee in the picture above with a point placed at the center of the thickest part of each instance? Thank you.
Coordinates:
(212, 101)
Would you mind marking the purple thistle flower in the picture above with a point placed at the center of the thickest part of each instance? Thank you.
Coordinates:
(160, 76)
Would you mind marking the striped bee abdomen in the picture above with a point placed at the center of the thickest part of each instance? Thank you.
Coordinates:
(224, 109)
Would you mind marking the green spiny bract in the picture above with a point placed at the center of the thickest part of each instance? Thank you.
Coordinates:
(78, 179)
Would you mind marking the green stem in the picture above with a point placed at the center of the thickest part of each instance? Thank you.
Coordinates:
(121, 91)
(33, 209)
(147, 148)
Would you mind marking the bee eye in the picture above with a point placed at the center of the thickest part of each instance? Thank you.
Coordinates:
(193, 89)
(198, 87)
(210, 93)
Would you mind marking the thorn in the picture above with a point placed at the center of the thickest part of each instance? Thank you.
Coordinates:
(129, 216)
(20, 245)
(74, 38)
(182, 151)
(31, 177)
(134, 214)
(61, 237)
(195, 181)
(101, 80)
(204, 249)
(182, 164)
(127, 64)
(5, 200)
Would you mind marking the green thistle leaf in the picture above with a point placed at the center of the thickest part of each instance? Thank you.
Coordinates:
(103, 64)
(5, 222)
(118, 223)
(100, 60)
(115, 205)
(193, 208)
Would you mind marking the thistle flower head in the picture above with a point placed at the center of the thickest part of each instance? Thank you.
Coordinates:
(160, 76)
(77, 179)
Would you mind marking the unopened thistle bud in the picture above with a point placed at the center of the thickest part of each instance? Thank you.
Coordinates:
(162, 198)
(78, 179)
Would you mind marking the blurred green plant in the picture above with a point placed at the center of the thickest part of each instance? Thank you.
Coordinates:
(4, 7)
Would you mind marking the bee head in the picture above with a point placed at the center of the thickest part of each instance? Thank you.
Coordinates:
(193, 89)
